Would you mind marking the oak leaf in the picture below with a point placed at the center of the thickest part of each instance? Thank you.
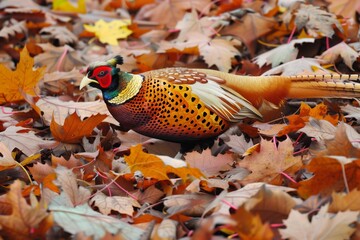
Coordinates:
(23, 80)
(23, 218)
(322, 226)
(74, 129)
(270, 162)
(106, 204)
(117, 28)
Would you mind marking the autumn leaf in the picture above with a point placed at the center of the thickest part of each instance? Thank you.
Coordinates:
(23, 218)
(271, 162)
(329, 176)
(249, 226)
(345, 201)
(66, 6)
(340, 51)
(297, 122)
(6, 159)
(322, 226)
(153, 167)
(14, 84)
(117, 28)
(74, 129)
(106, 204)
(84, 219)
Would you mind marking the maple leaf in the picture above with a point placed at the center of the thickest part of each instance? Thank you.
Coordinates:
(153, 167)
(117, 28)
(297, 122)
(66, 6)
(23, 80)
(74, 129)
(13, 28)
(24, 140)
(106, 204)
(83, 219)
(329, 176)
(281, 54)
(23, 217)
(44, 175)
(59, 35)
(250, 226)
(270, 162)
(207, 163)
(341, 50)
(238, 144)
(249, 28)
(316, 21)
(319, 129)
(322, 226)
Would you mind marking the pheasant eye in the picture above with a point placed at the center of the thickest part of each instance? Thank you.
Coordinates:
(102, 73)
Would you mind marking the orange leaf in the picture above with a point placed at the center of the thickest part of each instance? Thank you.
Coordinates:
(297, 122)
(329, 177)
(74, 129)
(152, 166)
(14, 84)
(23, 218)
(250, 226)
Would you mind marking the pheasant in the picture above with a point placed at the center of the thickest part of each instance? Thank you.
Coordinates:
(182, 104)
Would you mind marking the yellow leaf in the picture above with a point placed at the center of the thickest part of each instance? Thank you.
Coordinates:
(66, 6)
(14, 84)
(109, 32)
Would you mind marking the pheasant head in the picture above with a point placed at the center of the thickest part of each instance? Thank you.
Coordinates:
(117, 86)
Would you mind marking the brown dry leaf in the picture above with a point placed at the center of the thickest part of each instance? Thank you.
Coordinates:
(207, 163)
(249, 226)
(329, 177)
(71, 194)
(21, 81)
(322, 226)
(74, 129)
(316, 21)
(24, 217)
(106, 204)
(171, 11)
(219, 52)
(238, 144)
(319, 129)
(52, 56)
(345, 202)
(6, 159)
(58, 35)
(55, 107)
(297, 122)
(340, 51)
(13, 28)
(345, 8)
(340, 144)
(44, 175)
(270, 162)
(24, 139)
(282, 54)
(249, 28)
(165, 230)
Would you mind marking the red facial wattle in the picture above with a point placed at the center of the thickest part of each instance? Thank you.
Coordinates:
(103, 76)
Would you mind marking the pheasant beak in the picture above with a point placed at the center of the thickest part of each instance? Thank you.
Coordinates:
(86, 81)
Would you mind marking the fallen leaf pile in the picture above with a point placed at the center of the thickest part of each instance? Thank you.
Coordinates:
(68, 172)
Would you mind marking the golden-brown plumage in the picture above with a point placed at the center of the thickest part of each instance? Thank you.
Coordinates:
(179, 104)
